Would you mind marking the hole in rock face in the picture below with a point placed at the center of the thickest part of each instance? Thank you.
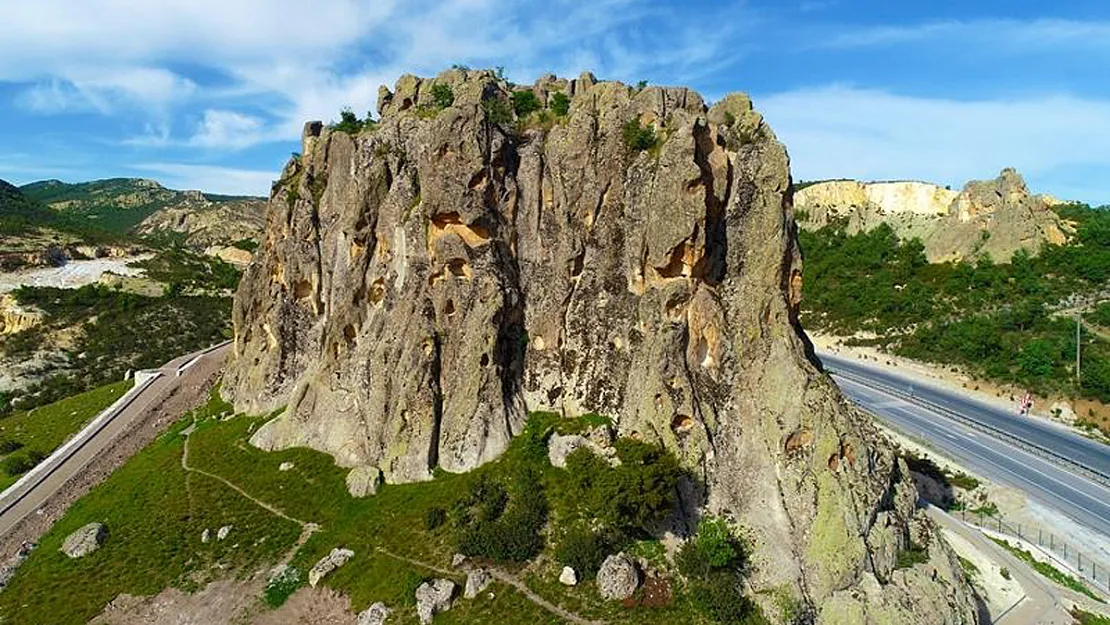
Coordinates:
(302, 289)
(478, 180)
(485, 360)
(472, 235)
(834, 462)
(458, 268)
(577, 264)
(798, 440)
(349, 332)
(449, 308)
(377, 292)
(681, 423)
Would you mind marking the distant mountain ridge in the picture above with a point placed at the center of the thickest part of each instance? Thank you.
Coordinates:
(133, 205)
(994, 217)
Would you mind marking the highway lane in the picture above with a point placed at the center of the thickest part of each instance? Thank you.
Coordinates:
(24, 498)
(1088, 453)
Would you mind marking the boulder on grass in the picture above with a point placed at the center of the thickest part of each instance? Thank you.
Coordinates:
(374, 615)
(477, 580)
(433, 597)
(85, 540)
(337, 558)
(618, 577)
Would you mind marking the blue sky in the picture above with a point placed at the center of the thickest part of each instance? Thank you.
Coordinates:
(212, 95)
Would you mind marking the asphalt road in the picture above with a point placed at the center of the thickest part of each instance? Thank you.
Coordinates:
(1082, 499)
(23, 499)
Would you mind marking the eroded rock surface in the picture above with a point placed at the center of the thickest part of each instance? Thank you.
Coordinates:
(335, 559)
(422, 285)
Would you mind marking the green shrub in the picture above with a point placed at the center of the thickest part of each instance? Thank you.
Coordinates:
(560, 104)
(583, 550)
(280, 586)
(348, 122)
(712, 548)
(1004, 572)
(497, 111)
(434, 517)
(629, 498)
(911, 555)
(502, 522)
(720, 596)
(525, 102)
(248, 245)
(18, 464)
(8, 445)
(442, 95)
(638, 137)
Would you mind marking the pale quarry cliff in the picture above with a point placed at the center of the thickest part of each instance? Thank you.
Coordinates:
(425, 283)
(994, 217)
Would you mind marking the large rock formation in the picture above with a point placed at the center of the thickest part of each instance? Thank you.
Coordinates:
(996, 217)
(423, 284)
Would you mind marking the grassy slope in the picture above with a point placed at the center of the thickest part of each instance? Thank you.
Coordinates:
(45, 428)
(155, 515)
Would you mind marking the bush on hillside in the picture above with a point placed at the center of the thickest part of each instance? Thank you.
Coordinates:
(638, 137)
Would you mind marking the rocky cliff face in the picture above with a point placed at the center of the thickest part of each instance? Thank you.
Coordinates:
(997, 217)
(205, 223)
(422, 285)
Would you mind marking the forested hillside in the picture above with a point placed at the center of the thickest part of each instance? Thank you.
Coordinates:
(1011, 322)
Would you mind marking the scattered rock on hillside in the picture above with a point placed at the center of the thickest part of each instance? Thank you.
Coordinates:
(8, 569)
(85, 540)
(618, 577)
(286, 466)
(560, 446)
(363, 481)
(568, 577)
(433, 597)
(477, 580)
(206, 535)
(337, 558)
(374, 615)
(458, 560)
(223, 532)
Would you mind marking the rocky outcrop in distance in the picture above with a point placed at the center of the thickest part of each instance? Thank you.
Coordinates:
(995, 217)
(424, 283)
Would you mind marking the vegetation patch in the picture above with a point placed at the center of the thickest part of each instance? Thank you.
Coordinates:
(1048, 570)
(28, 437)
(912, 554)
(993, 320)
(638, 137)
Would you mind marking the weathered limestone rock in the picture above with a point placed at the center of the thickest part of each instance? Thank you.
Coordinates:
(560, 446)
(363, 481)
(433, 597)
(458, 560)
(618, 578)
(568, 577)
(477, 580)
(286, 466)
(337, 558)
(996, 217)
(223, 532)
(85, 540)
(376, 614)
(206, 535)
(421, 286)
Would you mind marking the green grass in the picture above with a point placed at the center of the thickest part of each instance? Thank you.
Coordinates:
(155, 514)
(911, 555)
(1083, 617)
(969, 568)
(45, 428)
(1048, 570)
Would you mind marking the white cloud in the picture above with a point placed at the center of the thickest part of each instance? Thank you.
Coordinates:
(998, 35)
(210, 178)
(103, 90)
(228, 129)
(840, 131)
